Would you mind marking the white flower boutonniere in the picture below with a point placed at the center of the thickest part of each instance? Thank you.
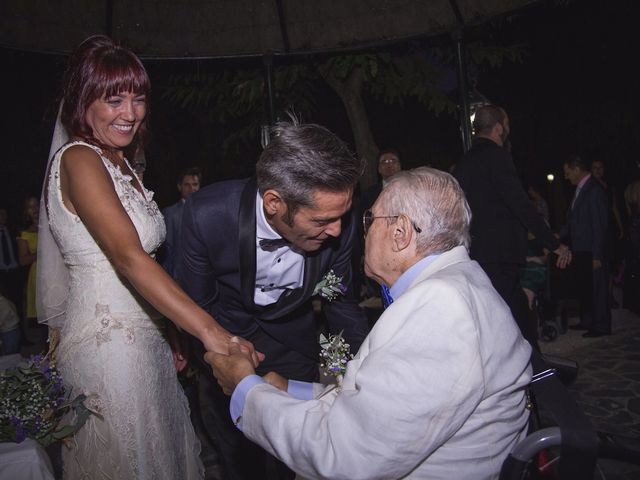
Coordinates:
(330, 287)
(334, 355)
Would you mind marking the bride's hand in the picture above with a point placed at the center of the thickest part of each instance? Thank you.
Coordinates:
(217, 340)
(178, 347)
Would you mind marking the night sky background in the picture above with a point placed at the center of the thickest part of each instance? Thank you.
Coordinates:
(574, 92)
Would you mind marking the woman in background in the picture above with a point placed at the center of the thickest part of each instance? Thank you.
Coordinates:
(27, 243)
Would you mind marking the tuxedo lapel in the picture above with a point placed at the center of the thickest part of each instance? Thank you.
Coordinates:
(311, 272)
(247, 244)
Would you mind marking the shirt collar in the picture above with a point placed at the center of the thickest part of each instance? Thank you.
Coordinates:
(583, 181)
(407, 278)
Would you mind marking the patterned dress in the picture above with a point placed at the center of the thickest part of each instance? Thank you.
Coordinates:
(112, 349)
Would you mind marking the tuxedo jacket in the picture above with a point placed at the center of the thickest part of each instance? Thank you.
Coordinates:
(588, 221)
(172, 219)
(217, 269)
(437, 390)
(501, 210)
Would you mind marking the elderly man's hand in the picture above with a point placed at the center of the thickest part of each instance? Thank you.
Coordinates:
(231, 369)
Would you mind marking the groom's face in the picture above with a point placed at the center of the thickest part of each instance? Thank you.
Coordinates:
(312, 226)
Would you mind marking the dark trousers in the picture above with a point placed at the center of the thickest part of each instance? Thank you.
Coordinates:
(631, 287)
(595, 312)
(590, 287)
(240, 458)
(505, 278)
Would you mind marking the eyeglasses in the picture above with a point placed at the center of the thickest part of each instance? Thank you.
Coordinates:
(388, 161)
(368, 218)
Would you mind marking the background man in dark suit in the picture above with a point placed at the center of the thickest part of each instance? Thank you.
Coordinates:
(253, 253)
(188, 183)
(502, 214)
(586, 231)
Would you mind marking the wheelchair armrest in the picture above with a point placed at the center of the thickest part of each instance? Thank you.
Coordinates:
(536, 441)
(566, 369)
(516, 463)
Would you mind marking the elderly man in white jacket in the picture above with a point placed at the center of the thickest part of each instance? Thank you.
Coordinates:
(437, 390)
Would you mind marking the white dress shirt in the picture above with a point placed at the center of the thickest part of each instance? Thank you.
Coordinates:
(275, 270)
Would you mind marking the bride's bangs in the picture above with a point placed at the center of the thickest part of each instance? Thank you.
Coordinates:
(126, 75)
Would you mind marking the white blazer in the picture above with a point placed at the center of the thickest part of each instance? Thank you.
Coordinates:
(437, 390)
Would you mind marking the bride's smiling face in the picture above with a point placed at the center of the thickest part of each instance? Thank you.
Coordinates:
(115, 119)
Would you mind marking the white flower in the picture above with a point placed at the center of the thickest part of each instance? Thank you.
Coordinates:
(330, 286)
(33, 402)
(334, 355)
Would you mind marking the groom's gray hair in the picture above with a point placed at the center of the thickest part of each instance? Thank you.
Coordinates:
(302, 159)
(434, 201)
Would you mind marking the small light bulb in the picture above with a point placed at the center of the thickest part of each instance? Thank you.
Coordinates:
(550, 177)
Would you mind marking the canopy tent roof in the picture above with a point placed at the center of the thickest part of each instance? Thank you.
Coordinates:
(233, 28)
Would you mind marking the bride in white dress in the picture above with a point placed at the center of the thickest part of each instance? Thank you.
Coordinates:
(107, 293)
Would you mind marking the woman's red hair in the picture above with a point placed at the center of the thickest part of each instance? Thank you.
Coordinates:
(99, 68)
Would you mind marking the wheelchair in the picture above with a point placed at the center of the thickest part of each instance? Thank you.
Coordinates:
(565, 445)
(535, 279)
(560, 289)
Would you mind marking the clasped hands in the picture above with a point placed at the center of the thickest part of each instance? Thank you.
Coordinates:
(565, 256)
(230, 369)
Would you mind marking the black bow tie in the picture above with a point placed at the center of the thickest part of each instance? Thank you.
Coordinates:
(273, 244)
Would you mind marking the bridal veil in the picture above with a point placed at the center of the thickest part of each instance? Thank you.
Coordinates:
(52, 284)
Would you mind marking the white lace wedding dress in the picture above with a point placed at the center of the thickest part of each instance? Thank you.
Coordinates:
(112, 349)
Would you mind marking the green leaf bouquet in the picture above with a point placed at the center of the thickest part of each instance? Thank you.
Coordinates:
(33, 402)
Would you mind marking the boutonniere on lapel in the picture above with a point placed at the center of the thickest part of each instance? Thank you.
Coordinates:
(330, 287)
(334, 355)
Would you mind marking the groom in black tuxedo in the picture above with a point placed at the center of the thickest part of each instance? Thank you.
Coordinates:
(252, 254)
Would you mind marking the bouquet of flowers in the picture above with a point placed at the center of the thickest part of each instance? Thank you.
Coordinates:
(334, 355)
(33, 401)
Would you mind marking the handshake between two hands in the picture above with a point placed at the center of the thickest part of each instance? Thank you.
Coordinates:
(240, 362)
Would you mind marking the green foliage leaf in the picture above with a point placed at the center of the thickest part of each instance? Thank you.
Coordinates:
(31, 403)
(494, 55)
(237, 97)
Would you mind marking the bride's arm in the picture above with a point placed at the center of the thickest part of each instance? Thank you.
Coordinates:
(88, 191)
